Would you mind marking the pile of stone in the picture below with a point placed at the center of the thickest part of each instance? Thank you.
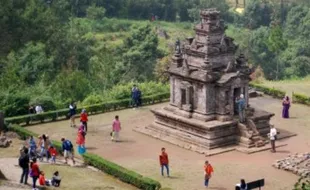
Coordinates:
(5, 141)
(297, 163)
(253, 93)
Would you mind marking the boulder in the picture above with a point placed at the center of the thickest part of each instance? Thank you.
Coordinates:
(4, 142)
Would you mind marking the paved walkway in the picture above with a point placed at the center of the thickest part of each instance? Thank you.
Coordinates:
(140, 152)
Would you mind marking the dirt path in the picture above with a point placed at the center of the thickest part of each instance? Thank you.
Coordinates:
(140, 152)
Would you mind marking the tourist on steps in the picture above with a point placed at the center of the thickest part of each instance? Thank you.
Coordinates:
(164, 161)
(273, 137)
(67, 149)
(208, 170)
(286, 106)
(34, 173)
(241, 108)
(116, 128)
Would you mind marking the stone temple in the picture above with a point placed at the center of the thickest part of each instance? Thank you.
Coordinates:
(206, 77)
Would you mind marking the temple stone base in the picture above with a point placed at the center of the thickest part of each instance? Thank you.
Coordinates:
(215, 136)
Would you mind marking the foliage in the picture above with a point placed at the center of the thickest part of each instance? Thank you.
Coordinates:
(276, 93)
(14, 104)
(257, 13)
(302, 184)
(96, 13)
(161, 68)
(302, 99)
(121, 173)
(101, 107)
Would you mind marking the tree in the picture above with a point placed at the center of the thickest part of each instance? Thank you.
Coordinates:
(139, 54)
(294, 19)
(276, 43)
(257, 13)
(96, 13)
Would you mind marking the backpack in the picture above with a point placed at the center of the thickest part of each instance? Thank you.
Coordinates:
(20, 161)
(69, 144)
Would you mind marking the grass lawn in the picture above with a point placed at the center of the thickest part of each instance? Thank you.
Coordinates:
(301, 86)
(83, 178)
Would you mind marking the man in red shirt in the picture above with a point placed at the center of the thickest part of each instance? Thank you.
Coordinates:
(84, 119)
(164, 161)
(208, 169)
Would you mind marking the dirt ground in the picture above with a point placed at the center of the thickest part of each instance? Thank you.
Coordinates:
(140, 153)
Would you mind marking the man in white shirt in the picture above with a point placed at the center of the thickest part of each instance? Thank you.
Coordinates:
(39, 109)
(273, 138)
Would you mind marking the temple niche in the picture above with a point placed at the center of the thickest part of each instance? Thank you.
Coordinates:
(206, 77)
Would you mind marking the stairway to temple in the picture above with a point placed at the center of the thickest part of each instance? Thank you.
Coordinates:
(249, 135)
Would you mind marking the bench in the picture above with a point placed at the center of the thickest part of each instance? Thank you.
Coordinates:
(254, 184)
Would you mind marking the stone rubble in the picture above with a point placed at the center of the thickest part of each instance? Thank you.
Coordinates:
(5, 141)
(298, 164)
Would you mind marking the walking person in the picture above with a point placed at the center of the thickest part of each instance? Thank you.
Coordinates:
(53, 152)
(84, 118)
(34, 173)
(67, 149)
(116, 128)
(32, 147)
(286, 106)
(208, 170)
(72, 113)
(273, 138)
(24, 164)
(241, 108)
(45, 144)
(164, 161)
(80, 140)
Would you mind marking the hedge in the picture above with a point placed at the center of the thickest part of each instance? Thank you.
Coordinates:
(92, 109)
(106, 166)
(121, 173)
(302, 99)
(276, 93)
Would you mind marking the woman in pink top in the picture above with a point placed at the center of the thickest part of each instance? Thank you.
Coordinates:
(116, 127)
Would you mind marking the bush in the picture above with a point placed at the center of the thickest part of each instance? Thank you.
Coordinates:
(91, 109)
(302, 184)
(92, 99)
(15, 104)
(121, 173)
(270, 91)
(46, 102)
(300, 98)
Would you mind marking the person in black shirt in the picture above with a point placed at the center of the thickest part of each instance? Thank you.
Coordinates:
(24, 164)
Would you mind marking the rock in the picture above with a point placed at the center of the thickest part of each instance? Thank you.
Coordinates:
(4, 142)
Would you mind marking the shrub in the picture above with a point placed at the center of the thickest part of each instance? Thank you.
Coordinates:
(46, 102)
(270, 91)
(121, 173)
(302, 184)
(15, 104)
(92, 99)
(300, 98)
(91, 109)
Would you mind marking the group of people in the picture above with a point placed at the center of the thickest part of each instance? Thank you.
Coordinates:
(30, 167)
(35, 109)
(164, 163)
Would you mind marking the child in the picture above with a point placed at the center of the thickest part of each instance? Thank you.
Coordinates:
(208, 170)
(164, 161)
(116, 127)
(53, 152)
(84, 119)
(43, 181)
(56, 179)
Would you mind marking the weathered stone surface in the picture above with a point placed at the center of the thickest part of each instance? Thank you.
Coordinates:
(4, 141)
(295, 163)
(206, 78)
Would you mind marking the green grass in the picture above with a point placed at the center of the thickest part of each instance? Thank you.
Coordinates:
(301, 86)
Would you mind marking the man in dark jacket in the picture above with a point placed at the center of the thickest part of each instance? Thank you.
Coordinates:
(24, 164)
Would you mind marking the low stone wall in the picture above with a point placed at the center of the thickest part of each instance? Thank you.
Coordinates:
(297, 163)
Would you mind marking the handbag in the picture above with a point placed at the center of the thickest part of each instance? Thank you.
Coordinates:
(30, 173)
(81, 149)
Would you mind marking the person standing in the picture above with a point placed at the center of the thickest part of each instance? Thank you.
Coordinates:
(35, 172)
(72, 113)
(164, 161)
(273, 138)
(84, 118)
(139, 98)
(24, 164)
(67, 149)
(241, 108)
(208, 170)
(32, 147)
(39, 109)
(134, 96)
(116, 128)
(286, 106)
(80, 140)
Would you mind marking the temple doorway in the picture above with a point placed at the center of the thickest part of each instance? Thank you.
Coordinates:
(237, 93)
